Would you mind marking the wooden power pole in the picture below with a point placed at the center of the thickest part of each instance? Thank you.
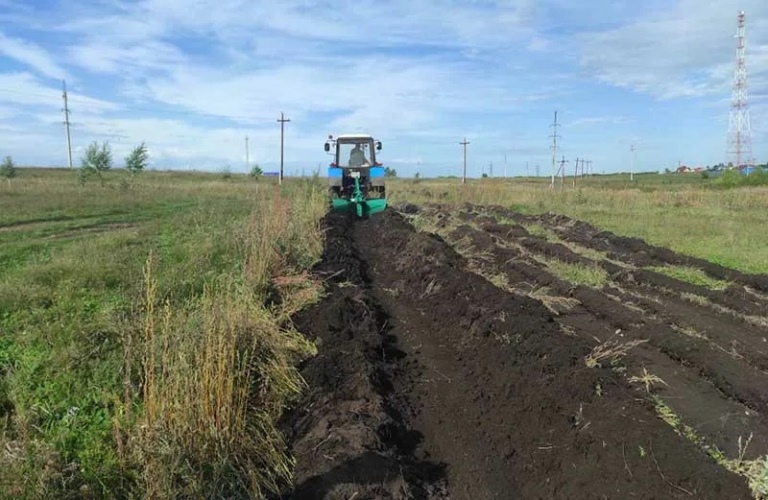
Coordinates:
(464, 143)
(282, 121)
(66, 122)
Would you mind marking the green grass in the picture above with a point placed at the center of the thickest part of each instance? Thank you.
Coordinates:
(691, 275)
(577, 274)
(80, 337)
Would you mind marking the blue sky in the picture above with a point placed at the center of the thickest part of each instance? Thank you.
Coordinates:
(193, 78)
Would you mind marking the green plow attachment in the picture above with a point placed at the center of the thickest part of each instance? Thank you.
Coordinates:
(358, 204)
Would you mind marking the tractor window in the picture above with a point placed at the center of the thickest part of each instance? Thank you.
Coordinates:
(354, 155)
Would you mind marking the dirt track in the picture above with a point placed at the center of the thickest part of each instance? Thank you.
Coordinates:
(457, 368)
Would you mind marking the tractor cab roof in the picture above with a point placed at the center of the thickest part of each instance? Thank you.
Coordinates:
(353, 137)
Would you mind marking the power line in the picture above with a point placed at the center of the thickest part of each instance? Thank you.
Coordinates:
(464, 143)
(282, 121)
(66, 122)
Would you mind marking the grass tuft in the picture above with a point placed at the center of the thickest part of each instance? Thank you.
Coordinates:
(217, 375)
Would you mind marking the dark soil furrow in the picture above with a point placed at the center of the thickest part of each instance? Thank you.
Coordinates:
(725, 298)
(733, 377)
(739, 380)
(734, 297)
(742, 341)
(633, 250)
(737, 336)
(597, 317)
(505, 399)
(349, 435)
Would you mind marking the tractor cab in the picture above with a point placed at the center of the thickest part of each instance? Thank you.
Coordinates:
(355, 176)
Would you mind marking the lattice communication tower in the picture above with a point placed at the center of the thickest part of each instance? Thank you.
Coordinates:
(739, 130)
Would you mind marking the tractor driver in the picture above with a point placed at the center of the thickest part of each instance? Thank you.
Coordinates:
(357, 157)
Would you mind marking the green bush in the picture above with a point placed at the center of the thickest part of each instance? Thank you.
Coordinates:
(8, 168)
(733, 179)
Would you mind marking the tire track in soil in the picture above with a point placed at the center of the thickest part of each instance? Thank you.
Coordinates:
(698, 388)
(503, 397)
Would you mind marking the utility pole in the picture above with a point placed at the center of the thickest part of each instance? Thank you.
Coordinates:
(464, 143)
(490, 169)
(505, 165)
(589, 167)
(247, 156)
(282, 121)
(575, 172)
(562, 171)
(537, 170)
(66, 122)
(632, 167)
(554, 151)
(527, 171)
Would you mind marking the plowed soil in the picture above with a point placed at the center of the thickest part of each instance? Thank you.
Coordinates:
(455, 363)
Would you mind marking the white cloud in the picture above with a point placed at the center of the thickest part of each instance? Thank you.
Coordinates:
(31, 55)
(25, 89)
(105, 58)
(687, 51)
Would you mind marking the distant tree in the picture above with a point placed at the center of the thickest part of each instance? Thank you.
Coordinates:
(226, 172)
(485, 176)
(390, 172)
(138, 160)
(99, 159)
(8, 168)
(95, 161)
(256, 172)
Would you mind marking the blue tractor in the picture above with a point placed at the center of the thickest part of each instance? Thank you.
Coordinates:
(355, 177)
